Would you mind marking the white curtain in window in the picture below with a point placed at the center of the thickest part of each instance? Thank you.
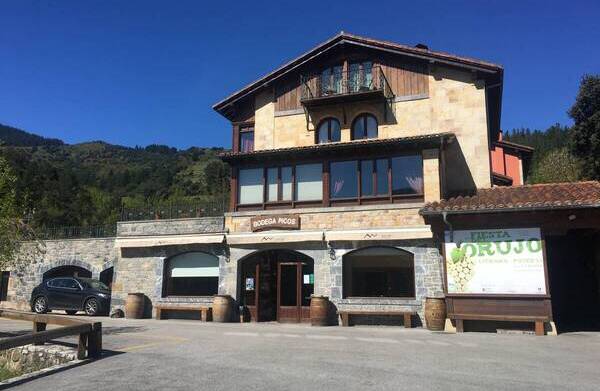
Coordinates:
(309, 182)
(251, 186)
(194, 264)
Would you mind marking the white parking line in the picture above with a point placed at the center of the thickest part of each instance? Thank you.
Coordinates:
(439, 343)
(335, 337)
(241, 334)
(377, 340)
(415, 341)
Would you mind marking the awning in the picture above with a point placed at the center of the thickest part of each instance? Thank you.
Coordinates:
(418, 232)
(170, 240)
(275, 237)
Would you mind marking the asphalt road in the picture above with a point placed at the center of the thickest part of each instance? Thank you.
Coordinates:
(189, 355)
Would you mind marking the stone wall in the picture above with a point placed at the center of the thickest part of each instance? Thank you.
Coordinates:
(30, 358)
(140, 270)
(170, 227)
(95, 255)
(349, 217)
(328, 268)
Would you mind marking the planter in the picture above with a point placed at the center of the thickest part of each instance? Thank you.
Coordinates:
(319, 306)
(134, 306)
(435, 313)
(222, 308)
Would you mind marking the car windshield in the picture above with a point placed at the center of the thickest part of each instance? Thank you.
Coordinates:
(95, 284)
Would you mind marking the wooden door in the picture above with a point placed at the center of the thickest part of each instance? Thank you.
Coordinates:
(289, 276)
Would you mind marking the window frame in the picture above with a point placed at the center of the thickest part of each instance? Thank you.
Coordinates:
(364, 117)
(245, 129)
(327, 200)
(347, 295)
(365, 199)
(167, 285)
(327, 120)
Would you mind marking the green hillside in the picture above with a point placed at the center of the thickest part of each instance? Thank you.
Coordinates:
(88, 183)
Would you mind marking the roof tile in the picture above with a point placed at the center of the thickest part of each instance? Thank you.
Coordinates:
(539, 196)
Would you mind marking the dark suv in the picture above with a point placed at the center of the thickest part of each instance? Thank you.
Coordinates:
(71, 294)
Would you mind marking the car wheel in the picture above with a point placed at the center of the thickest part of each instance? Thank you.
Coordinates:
(40, 305)
(71, 312)
(91, 307)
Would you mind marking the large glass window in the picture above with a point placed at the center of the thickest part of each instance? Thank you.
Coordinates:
(247, 139)
(366, 178)
(328, 131)
(381, 169)
(286, 183)
(379, 272)
(364, 126)
(331, 81)
(251, 186)
(272, 184)
(343, 179)
(191, 274)
(407, 175)
(360, 77)
(309, 182)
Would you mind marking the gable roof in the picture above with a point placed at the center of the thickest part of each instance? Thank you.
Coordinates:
(345, 38)
(547, 196)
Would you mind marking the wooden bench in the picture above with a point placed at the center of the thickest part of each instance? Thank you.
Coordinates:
(537, 320)
(205, 312)
(345, 315)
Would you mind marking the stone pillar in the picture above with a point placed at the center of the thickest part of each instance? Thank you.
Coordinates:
(431, 175)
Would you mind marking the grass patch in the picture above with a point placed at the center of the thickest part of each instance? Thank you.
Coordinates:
(5, 374)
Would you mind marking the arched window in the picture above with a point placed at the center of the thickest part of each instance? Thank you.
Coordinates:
(379, 272)
(364, 126)
(328, 131)
(191, 274)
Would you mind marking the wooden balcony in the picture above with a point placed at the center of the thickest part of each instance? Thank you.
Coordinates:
(345, 86)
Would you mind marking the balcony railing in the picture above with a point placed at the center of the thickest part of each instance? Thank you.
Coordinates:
(72, 232)
(175, 211)
(353, 83)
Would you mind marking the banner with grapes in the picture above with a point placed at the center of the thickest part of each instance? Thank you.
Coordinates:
(499, 261)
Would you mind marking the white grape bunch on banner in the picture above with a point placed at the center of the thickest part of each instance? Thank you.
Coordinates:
(461, 268)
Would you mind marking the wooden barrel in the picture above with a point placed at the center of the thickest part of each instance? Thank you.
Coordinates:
(134, 306)
(435, 313)
(318, 310)
(222, 308)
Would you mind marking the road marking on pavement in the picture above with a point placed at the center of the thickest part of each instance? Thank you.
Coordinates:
(467, 344)
(379, 340)
(439, 343)
(272, 335)
(165, 341)
(241, 334)
(416, 341)
(291, 335)
(336, 337)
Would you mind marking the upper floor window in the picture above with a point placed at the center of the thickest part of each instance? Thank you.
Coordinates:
(331, 81)
(375, 177)
(329, 131)
(364, 126)
(247, 139)
(360, 77)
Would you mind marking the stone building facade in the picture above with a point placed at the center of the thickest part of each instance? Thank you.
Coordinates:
(334, 155)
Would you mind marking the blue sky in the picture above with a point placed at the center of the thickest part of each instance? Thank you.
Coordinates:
(143, 72)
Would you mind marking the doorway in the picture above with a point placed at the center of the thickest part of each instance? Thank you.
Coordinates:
(277, 285)
(574, 276)
(67, 271)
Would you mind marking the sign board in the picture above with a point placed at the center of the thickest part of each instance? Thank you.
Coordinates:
(249, 284)
(261, 223)
(500, 261)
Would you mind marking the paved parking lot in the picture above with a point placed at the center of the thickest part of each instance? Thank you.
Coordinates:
(186, 355)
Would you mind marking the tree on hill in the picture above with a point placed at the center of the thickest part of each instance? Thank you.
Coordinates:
(558, 165)
(14, 230)
(585, 134)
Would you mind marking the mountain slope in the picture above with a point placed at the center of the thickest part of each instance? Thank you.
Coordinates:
(88, 183)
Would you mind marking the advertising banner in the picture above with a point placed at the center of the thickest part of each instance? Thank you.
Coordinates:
(499, 261)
